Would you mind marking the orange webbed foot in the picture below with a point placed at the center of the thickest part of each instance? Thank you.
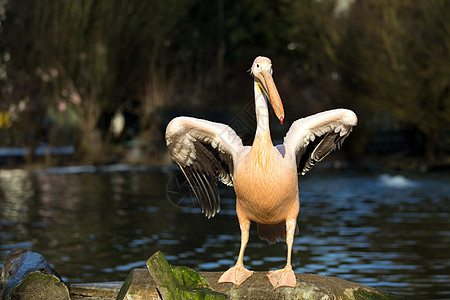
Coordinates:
(282, 277)
(236, 275)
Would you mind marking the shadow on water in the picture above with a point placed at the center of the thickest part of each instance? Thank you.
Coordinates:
(96, 224)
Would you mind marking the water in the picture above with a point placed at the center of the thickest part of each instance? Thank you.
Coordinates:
(389, 231)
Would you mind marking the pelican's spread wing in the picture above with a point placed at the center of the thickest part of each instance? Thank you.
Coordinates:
(204, 151)
(312, 138)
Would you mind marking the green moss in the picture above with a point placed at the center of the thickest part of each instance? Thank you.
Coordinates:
(180, 282)
(361, 294)
(189, 277)
(40, 285)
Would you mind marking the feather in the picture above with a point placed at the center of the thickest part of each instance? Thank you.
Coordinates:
(205, 152)
(312, 138)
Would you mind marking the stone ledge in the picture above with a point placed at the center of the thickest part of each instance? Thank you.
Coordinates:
(309, 286)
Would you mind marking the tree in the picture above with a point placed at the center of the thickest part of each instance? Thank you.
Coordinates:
(394, 60)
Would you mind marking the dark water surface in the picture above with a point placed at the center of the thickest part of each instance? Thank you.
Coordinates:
(390, 232)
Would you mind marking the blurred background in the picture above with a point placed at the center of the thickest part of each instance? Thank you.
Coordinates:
(92, 80)
(87, 88)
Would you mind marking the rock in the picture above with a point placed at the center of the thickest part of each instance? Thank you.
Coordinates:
(98, 290)
(27, 275)
(171, 282)
(140, 285)
(166, 283)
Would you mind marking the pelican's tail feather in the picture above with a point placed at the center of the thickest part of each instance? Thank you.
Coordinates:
(274, 233)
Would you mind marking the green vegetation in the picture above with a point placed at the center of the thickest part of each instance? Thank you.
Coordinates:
(179, 282)
(68, 67)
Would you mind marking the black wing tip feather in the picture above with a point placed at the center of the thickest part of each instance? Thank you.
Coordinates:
(205, 165)
(205, 190)
(307, 160)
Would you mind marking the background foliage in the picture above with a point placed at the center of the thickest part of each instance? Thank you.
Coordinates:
(68, 67)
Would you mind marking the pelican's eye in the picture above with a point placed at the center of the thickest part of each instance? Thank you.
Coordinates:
(257, 66)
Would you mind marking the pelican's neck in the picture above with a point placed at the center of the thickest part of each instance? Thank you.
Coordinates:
(262, 116)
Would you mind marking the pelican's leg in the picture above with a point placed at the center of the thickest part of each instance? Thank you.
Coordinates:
(285, 276)
(238, 274)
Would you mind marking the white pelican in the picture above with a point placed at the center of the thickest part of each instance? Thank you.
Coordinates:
(265, 177)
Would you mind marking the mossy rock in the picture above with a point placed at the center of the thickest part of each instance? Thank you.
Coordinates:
(179, 282)
(39, 285)
(28, 275)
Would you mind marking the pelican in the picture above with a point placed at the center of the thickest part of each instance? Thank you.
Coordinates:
(264, 176)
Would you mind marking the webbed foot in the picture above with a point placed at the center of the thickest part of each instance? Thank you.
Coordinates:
(282, 277)
(236, 275)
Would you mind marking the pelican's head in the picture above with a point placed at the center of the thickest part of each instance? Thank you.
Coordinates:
(262, 71)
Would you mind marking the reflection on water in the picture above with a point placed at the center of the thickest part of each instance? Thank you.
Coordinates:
(96, 224)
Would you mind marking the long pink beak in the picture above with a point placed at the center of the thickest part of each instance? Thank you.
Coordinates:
(272, 93)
